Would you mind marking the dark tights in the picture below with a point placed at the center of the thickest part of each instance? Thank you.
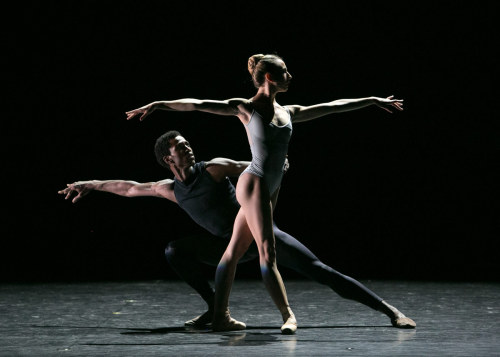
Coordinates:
(187, 256)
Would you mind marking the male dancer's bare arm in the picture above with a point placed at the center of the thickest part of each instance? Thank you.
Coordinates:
(126, 188)
(221, 167)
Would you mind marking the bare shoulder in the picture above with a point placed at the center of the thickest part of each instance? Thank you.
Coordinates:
(239, 101)
(300, 113)
(220, 167)
(243, 107)
(293, 109)
(216, 168)
(164, 188)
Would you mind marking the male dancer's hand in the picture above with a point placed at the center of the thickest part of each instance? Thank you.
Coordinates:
(82, 188)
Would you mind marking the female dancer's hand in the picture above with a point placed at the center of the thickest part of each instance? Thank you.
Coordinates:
(143, 111)
(387, 103)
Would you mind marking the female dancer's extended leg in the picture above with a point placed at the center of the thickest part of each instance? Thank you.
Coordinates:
(224, 275)
(254, 198)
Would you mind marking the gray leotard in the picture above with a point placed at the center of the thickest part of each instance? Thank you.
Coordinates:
(269, 147)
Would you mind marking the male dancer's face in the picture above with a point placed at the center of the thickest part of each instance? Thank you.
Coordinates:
(181, 153)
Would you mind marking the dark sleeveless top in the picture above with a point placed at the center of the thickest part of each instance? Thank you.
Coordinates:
(211, 204)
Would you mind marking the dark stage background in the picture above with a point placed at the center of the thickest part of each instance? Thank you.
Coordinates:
(412, 195)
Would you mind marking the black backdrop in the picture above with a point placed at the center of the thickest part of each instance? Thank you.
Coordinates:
(412, 195)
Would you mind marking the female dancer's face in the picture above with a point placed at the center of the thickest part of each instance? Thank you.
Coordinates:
(281, 76)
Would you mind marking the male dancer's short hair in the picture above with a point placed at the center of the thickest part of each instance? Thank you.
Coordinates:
(162, 146)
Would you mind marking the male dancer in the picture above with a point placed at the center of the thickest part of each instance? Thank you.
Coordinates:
(203, 190)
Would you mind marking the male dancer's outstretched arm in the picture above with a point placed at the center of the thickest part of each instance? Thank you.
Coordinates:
(218, 168)
(126, 188)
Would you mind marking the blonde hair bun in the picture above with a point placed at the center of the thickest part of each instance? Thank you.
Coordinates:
(252, 62)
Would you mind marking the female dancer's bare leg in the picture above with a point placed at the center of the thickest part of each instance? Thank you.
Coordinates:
(224, 276)
(252, 193)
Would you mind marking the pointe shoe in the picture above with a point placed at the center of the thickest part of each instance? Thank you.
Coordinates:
(290, 326)
(403, 322)
(227, 323)
(200, 321)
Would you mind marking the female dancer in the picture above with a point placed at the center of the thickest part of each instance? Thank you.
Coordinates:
(269, 128)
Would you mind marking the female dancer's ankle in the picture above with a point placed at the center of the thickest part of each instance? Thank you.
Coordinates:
(286, 313)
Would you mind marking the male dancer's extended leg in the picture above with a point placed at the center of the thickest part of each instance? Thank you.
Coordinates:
(294, 255)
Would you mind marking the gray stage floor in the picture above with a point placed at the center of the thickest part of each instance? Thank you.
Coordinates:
(146, 319)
